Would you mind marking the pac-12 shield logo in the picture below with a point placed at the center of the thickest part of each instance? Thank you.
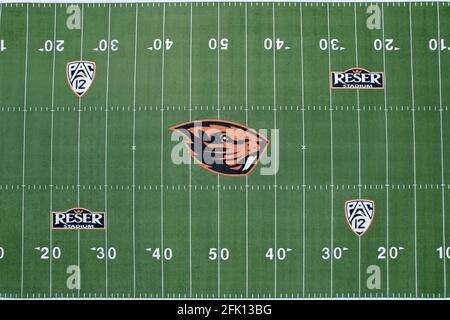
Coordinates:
(359, 214)
(79, 219)
(80, 75)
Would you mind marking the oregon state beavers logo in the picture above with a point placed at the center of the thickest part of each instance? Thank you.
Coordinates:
(223, 147)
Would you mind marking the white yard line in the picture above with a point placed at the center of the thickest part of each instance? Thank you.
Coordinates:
(23, 153)
(51, 157)
(331, 157)
(78, 145)
(276, 155)
(442, 151)
(106, 148)
(190, 162)
(133, 149)
(246, 177)
(163, 50)
(359, 149)
(387, 154)
(303, 155)
(414, 148)
(218, 177)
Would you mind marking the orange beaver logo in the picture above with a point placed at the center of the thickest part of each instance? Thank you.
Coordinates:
(223, 147)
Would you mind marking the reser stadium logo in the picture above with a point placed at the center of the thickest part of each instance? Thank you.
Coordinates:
(79, 219)
(356, 78)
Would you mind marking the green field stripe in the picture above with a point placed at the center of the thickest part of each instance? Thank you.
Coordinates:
(429, 208)
(205, 61)
(344, 128)
(397, 152)
(233, 231)
(92, 140)
(444, 21)
(374, 158)
(331, 248)
(260, 91)
(442, 153)
(119, 148)
(148, 127)
(12, 90)
(317, 153)
(23, 156)
(133, 148)
(289, 163)
(176, 206)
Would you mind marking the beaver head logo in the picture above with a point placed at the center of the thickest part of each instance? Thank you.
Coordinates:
(223, 147)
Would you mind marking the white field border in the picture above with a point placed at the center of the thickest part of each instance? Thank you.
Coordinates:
(138, 1)
(235, 299)
(205, 1)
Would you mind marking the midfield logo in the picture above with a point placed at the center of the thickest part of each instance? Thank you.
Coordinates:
(223, 147)
(80, 75)
(359, 215)
(79, 219)
(356, 78)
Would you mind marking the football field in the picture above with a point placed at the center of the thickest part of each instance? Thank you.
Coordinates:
(176, 230)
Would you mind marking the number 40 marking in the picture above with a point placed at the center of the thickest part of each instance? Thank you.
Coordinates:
(158, 44)
(280, 253)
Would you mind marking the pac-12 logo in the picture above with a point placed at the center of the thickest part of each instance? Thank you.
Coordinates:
(359, 214)
(79, 219)
(80, 75)
(356, 78)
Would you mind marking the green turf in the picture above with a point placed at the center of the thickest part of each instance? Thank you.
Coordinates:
(400, 158)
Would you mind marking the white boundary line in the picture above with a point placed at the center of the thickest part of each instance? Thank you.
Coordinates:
(331, 158)
(51, 156)
(219, 256)
(23, 153)
(275, 249)
(133, 149)
(190, 162)
(234, 299)
(208, 1)
(246, 177)
(414, 148)
(303, 155)
(106, 148)
(442, 152)
(387, 153)
(163, 50)
(359, 149)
